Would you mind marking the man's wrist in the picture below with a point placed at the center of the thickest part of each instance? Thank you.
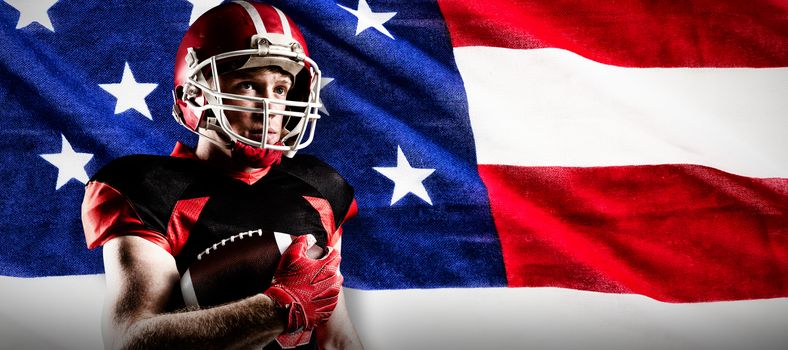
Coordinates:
(291, 311)
(278, 312)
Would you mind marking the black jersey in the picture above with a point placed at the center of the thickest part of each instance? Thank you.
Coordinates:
(187, 205)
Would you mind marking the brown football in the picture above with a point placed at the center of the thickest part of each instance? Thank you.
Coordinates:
(236, 267)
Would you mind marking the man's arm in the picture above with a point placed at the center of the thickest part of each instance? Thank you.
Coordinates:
(338, 332)
(141, 278)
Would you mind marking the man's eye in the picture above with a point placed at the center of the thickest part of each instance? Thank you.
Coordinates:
(246, 86)
(280, 90)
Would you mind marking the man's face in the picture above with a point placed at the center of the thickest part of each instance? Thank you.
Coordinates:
(266, 82)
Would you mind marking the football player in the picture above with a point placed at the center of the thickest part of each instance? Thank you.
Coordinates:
(244, 82)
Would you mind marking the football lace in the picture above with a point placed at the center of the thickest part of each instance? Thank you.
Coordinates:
(221, 243)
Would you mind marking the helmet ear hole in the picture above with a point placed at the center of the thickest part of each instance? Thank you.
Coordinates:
(179, 92)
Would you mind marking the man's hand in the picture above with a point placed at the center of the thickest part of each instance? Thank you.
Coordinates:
(307, 288)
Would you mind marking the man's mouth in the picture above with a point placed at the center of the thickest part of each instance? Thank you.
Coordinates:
(257, 135)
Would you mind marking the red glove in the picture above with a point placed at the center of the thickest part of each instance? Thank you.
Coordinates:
(307, 288)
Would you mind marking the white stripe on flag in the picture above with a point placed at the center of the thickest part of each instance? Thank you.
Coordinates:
(552, 318)
(51, 312)
(552, 107)
(64, 312)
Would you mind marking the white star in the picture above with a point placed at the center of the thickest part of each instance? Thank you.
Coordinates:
(406, 179)
(70, 164)
(130, 93)
(367, 18)
(323, 82)
(201, 6)
(33, 11)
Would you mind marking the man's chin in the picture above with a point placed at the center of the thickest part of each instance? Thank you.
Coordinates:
(272, 140)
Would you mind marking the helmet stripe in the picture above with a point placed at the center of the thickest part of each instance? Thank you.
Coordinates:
(256, 19)
(285, 23)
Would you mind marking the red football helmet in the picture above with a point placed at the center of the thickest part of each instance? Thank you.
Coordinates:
(240, 35)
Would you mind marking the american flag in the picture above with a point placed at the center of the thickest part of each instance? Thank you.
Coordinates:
(542, 174)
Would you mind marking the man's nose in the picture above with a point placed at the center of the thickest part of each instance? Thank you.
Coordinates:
(268, 94)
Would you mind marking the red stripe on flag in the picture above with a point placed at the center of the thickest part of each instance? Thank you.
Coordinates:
(677, 233)
(704, 33)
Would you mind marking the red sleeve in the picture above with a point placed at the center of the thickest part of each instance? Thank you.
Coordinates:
(107, 214)
(352, 211)
(333, 238)
(323, 208)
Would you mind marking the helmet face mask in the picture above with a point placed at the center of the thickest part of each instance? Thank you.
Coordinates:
(200, 103)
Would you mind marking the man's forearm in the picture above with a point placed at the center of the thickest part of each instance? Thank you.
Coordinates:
(248, 323)
(338, 332)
